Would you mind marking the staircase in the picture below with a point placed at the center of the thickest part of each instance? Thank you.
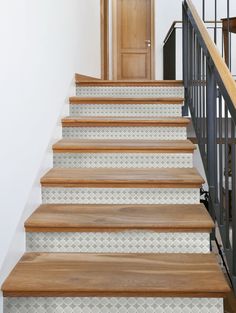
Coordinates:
(121, 228)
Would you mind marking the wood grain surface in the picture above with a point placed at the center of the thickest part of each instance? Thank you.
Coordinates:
(112, 218)
(123, 177)
(117, 145)
(111, 121)
(116, 275)
(101, 100)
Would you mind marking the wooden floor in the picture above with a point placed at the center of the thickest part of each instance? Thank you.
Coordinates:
(116, 275)
(79, 218)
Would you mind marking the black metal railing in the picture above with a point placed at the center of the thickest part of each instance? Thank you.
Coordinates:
(221, 26)
(172, 43)
(210, 92)
(229, 26)
(169, 51)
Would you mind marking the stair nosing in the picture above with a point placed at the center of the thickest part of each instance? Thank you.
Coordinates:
(127, 83)
(185, 275)
(118, 218)
(117, 100)
(80, 146)
(121, 178)
(110, 121)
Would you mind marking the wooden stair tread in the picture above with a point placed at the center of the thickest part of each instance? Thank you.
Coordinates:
(116, 275)
(124, 121)
(83, 218)
(79, 145)
(123, 177)
(138, 83)
(108, 100)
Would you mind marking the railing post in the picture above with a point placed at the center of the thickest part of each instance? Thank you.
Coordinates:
(185, 64)
(233, 174)
(211, 104)
(203, 10)
(215, 27)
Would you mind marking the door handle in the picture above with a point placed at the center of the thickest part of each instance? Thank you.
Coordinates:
(148, 42)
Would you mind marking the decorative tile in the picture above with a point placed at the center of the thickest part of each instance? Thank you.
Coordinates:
(133, 92)
(121, 195)
(113, 305)
(123, 160)
(158, 110)
(157, 133)
(119, 242)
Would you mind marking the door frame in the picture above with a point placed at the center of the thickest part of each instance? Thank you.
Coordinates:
(115, 37)
(104, 20)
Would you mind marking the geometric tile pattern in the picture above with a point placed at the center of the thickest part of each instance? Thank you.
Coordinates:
(131, 91)
(157, 133)
(125, 241)
(119, 242)
(113, 305)
(123, 160)
(120, 195)
(158, 110)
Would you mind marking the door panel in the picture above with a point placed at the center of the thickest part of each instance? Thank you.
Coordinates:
(134, 36)
(134, 66)
(134, 25)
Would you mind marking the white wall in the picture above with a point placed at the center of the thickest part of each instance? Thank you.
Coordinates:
(43, 43)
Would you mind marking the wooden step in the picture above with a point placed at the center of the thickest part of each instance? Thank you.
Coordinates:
(157, 146)
(112, 218)
(137, 83)
(120, 177)
(110, 121)
(116, 275)
(105, 100)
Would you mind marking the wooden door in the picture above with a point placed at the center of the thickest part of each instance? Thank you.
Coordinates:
(134, 40)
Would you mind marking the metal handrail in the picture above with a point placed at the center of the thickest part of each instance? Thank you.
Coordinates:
(170, 31)
(171, 42)
(210, 95)
(174, 26)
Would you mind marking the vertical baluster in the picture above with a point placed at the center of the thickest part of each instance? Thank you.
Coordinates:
(192, 69)
(229, 35)
(203, 10)
(226, 184)
(204, 111)
(194, 75)
(233, 237)
(185, 64)
(199, 86)
(215, 27)
(221, 173)
(200, 95)
(189, 62)
(211, 138)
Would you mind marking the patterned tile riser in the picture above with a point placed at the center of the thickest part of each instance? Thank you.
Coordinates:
(113, 305)
(119, 242)
(123, 160)
(133, 92)
(158, 110)
(157, 133)
(120, 195)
